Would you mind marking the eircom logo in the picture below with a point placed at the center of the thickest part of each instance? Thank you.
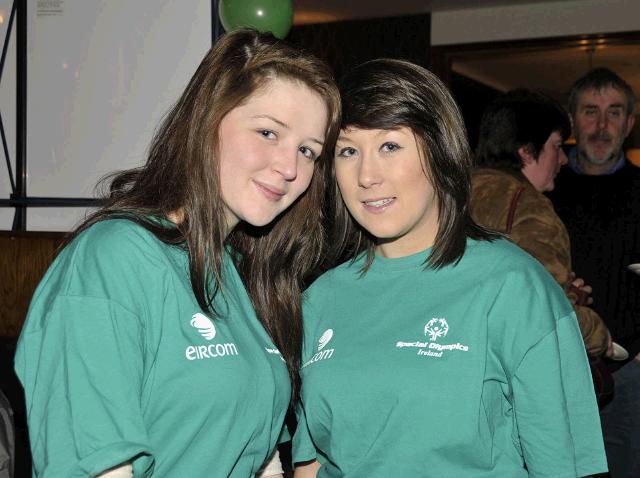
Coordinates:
(204, 325)
(324, 340)
(207, 330)
(322, 353)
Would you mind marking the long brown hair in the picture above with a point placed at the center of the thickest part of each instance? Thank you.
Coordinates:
(182, 174)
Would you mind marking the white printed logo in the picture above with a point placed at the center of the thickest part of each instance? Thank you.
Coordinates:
(436, 328)
(324, 340)
(204, 325)
(274, 351)
(322, 353)
(207, 330)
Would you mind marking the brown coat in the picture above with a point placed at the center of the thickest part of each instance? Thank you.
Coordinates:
(538, 230)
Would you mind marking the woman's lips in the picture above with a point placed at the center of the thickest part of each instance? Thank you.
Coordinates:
(270, 192)
(378, 205)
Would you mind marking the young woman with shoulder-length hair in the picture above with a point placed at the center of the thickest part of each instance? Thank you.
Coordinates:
(165, 337)
(438, 348)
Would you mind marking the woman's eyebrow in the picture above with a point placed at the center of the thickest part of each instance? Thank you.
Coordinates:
(275, 120)
(286, 126)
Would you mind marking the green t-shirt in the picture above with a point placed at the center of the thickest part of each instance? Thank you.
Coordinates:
(119, 363)
(473, 370)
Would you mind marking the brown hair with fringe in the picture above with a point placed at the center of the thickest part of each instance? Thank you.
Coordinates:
(390, 94)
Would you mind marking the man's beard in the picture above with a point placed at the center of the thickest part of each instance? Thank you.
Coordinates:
(612, 153)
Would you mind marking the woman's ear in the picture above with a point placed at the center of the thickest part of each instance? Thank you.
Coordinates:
(526, 156)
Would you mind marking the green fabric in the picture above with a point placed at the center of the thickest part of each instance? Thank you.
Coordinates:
(468, 371)
(118, 365)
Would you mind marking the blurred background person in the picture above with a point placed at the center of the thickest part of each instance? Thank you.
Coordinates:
(598, 199)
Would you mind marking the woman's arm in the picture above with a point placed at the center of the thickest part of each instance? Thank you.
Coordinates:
(308, 470)
(81, 355)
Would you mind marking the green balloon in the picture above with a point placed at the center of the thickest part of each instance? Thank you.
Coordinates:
(275, 16)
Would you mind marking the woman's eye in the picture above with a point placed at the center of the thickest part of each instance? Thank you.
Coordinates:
(267, 133)
(390, 147)
(308, 153)
(346, 152)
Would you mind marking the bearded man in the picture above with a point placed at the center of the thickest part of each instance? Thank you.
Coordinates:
(598, 199)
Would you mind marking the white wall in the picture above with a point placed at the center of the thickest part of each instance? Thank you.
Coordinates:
(8, 109)
(101, 73)
(539, 20)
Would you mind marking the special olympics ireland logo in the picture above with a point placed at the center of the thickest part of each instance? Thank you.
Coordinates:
(436, 328)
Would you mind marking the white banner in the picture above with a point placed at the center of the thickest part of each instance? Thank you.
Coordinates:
(101, 74)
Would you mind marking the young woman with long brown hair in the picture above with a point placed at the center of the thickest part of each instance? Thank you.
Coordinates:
(164, 338)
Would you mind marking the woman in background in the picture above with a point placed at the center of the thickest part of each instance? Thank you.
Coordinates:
(437, 349)
(164, 338)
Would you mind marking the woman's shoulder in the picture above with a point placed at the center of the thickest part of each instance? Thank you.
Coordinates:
(500, 252)
(111, 248)
(502, 258)
(114, 261)
(505, 266)
(120, 240)
(493, 192)
(115, 232)
(340, 274)
(519, 291)
(493, 179)
(323, 290)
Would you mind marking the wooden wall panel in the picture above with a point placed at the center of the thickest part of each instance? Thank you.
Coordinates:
(24, 258)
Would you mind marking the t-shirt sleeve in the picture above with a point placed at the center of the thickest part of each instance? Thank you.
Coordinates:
(302, 447)
(82, 373)
(285, 435)
(86, 348)
(553, 380)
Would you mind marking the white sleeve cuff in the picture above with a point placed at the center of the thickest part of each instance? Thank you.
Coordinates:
(123, 471)
(272, 467)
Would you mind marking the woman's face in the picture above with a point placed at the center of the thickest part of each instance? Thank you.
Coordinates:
(383, 184)
(542, 172)
(268, 146)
